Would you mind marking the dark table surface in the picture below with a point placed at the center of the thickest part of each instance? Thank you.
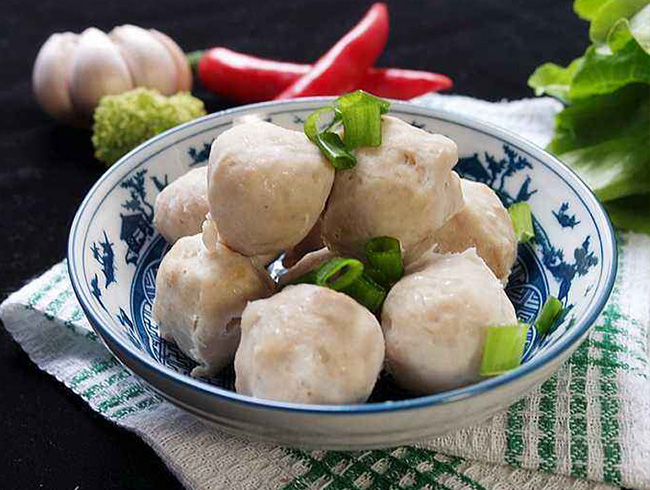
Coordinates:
(50, 438)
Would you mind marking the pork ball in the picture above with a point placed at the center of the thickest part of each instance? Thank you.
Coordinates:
(435, 321)
(200, 296)
(483, 223)
(181, 206)
(404, 188)
(267, 186)
(312, 242)
(309, 344)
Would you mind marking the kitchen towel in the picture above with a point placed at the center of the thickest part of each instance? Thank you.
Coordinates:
(587, 427)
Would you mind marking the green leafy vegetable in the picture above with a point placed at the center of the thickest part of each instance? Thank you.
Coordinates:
(123, 121)
(604, 132)
(504, 346)
(631, 212)
(609, 14)
(587, 9)
(554, 80)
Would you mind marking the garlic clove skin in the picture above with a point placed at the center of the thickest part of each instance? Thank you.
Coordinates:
(148, 60)
(97, 70)
(50, 77)
(183, 70)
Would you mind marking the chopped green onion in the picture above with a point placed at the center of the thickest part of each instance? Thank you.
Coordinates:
(306, 278)
(375, 275)
(339, 273)
(334, 150)
(522, 220)
(361, 113)
(330, 144)
(311, 126)
(504, 346)
(362, 123)
(550, 312)
(361, 96)
(367, 292)
(385, 255)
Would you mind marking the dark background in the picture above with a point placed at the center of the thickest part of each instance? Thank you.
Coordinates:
(50, 439)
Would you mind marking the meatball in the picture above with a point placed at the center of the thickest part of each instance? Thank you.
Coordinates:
(200, 295)
(181, 206)
(312, 242)
(435, 321)
(404, 188)
(267, 186)
(309, 344)
(483, 223)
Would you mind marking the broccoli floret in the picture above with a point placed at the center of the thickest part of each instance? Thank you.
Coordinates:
(125, 120)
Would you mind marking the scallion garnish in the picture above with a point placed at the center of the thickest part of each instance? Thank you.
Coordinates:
(504, 346)
(306, 278)
(362, 124)
(329, 143)
(384, 254)
(334, 150)
(339, 273)
(550, 312)
(361, 96)
(522, 220)
(360, 113)
(366, 292)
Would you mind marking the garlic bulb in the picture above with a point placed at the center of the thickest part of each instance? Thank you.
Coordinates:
(72, 72)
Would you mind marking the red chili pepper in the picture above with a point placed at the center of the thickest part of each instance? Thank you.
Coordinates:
(395, 83)
(246, 78)
(343, 67)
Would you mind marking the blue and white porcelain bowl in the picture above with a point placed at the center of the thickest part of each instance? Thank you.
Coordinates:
(114, 253)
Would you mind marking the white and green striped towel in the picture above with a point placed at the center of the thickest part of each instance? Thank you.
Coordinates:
(587, 427)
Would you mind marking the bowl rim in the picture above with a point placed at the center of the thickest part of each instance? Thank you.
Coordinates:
(564, 344)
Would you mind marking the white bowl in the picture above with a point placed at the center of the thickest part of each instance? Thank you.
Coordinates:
(114, 252)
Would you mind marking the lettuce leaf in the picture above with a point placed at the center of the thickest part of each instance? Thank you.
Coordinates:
(602, 117)
(604, 131)
(601, 73)
(587, 9)
(609, 13)
(631, 213)
(554, 80)
(615, 168)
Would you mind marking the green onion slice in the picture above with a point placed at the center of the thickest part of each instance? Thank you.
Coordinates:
(306, 278)
(339, 273)
(312, 125)
(362, 123)
(334, 150)
(522, 220)
(385, 255)
(375, 275)
(504, 346)
(361, 96)
(550, 312)
(366, 292)
(361, 113)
